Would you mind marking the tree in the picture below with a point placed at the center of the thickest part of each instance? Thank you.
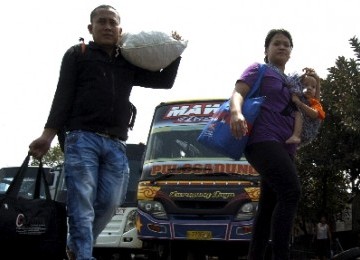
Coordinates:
(344, 84)
(52, 158)
(329, 166)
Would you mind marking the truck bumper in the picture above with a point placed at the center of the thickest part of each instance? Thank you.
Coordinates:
(181, 229)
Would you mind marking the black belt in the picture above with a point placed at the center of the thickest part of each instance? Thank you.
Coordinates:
(113, 137)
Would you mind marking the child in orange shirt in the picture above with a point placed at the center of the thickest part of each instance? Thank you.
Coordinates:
(311, 113)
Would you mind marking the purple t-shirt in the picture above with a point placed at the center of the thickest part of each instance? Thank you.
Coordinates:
(272, 124)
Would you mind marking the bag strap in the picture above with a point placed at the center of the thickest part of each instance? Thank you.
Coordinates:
(41, 177)
(255, 89)
(15, 185)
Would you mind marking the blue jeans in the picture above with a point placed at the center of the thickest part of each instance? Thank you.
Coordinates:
(97, 176)
(280, 193)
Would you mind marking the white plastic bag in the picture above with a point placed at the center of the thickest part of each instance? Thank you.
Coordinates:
(152, 50)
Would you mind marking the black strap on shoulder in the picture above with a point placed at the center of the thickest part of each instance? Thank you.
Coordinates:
(82, 45)
(133, 115)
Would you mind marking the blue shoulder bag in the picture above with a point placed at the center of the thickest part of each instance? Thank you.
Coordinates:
(217, 135)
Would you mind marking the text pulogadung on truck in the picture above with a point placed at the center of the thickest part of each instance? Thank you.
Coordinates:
(192, 201)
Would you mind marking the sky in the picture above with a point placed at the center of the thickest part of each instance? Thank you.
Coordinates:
(224, 37)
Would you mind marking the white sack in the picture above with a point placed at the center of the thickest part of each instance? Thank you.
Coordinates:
(151, 50)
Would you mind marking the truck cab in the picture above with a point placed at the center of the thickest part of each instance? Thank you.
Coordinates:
(192, 201)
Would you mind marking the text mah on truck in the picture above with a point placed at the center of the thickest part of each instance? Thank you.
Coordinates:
(192, 201)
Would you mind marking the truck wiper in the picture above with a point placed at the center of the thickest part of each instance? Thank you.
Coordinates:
(218, 174)
(253, 179)
(162, 177)
(188, 168)
(172, 170)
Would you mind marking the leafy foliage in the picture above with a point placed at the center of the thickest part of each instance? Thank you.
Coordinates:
(344, 102)
(329, 166)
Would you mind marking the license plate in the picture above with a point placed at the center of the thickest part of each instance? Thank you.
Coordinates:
(199, 235)
(120, 211)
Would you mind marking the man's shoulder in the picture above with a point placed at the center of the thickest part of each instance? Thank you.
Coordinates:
(82, 51)
(74, 49)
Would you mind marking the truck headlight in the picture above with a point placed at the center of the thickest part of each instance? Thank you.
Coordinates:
(154, 208)
(246, 212)
(130, 220)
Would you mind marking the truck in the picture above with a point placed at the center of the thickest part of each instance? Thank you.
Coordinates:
(193, 202)
(119, 238)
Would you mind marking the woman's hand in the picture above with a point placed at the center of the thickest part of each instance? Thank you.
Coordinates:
(295, 99)
(238, 125)
(311, 72)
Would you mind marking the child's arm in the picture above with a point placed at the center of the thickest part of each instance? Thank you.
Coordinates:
(309, 111)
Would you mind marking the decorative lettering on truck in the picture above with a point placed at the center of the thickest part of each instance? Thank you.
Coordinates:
(197, 168)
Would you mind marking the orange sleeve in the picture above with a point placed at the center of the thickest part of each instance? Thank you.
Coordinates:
(315, 104)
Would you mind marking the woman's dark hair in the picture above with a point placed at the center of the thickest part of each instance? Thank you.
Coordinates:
(271, 34)
(93, 13)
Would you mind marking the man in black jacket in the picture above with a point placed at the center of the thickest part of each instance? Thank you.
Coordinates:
(92, 103)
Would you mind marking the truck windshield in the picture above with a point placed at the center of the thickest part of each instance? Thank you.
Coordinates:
(174, 153)
(178, 143)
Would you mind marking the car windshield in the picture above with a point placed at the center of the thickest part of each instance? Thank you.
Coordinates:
(27, 187)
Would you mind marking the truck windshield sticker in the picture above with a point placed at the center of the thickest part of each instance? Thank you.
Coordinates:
(191, 113)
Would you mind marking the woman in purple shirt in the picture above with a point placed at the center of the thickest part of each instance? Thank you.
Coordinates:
(267, 151)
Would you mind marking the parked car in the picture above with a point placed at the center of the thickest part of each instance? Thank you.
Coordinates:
(7, 174)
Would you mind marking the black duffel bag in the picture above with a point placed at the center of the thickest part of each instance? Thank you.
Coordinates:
(35, 227)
